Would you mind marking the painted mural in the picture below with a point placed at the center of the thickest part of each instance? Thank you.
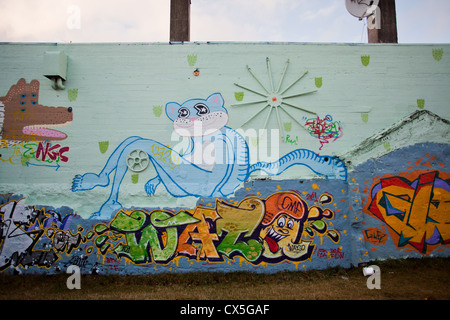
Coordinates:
(209, 203)
(23, 226)
(269, 230)
(34, 154)
(27, 128)
(25, 119)
(406, 211)
(274, 97)
(214, 165)
(414, 207)
(279, 228)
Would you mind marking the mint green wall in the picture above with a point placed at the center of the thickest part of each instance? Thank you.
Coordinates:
(115, 91)
(124, 81)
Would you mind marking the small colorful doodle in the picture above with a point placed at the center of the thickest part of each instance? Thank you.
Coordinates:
(324, 129)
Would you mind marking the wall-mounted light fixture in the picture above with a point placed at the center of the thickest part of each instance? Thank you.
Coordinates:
(55, 68)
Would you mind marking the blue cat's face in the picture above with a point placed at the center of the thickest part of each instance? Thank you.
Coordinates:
(198, 117)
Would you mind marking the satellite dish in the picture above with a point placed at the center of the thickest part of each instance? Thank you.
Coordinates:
(361, 8)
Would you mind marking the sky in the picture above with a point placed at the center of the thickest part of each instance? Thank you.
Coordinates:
(87, 21)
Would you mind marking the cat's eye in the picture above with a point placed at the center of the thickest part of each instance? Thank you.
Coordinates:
(33, 95)
(33, 102)
(201, 109)
(23, 95)
(183, 113)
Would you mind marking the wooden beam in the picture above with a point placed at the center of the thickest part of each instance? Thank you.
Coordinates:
(388, 21)
(180, 20)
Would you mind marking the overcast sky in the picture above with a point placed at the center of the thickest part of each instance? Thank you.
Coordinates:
(418, 21)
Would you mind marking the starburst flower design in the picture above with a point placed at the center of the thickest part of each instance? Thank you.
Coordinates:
(275, 98)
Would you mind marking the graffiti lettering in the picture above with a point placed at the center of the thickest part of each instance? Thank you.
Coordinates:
(22, 227)
(199, 232)
(252, 229)
(312, 196)
(294, 206)
(297, 248)
(332, 254)
(240, 236)
(293, 141)
(79, 261)
(415, 208)
(24, 152)
(281, 227)
(156, 231)
(375, 236)
(166, 156)
(65, 240)
(52, 152)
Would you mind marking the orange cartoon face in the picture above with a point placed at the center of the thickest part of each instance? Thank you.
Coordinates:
(282, 223)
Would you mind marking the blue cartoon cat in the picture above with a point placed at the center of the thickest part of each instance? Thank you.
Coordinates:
(214, 164)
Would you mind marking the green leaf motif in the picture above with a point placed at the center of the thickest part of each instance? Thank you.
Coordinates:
(288, 126)
(365, 117)
(318, 82)
(72, 94)
(421, 103)
(192, 59)
(365, 60)
(437, 54)
(157, 111)
(239, 96)
(103, 145)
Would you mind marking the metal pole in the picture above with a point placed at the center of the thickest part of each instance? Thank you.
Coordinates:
(180, 20)
(388, 31)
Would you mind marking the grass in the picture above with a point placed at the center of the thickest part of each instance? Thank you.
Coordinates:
(407, 279)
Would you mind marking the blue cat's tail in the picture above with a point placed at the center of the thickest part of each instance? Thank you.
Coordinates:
(331, 167)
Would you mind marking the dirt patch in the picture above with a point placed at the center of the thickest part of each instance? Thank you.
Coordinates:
(409, 279)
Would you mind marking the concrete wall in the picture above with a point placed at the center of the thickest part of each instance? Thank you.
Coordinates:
(156, 159)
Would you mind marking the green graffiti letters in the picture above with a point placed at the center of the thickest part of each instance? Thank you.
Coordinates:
(247, 229)
(156, 230)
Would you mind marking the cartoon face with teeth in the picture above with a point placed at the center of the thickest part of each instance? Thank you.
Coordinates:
(282, 224)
